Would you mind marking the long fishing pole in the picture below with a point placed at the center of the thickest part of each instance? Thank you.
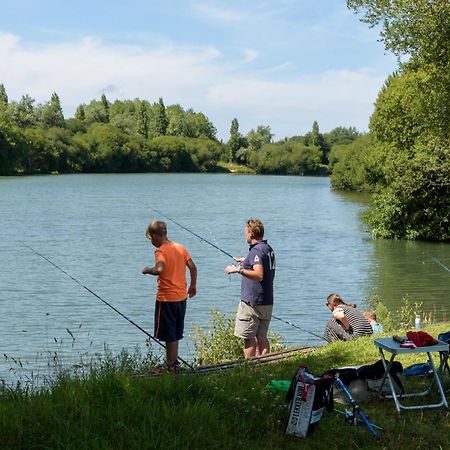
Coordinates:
(293, 325)
(104, 301)
(190, 231)
(439, 262)
(300, 328)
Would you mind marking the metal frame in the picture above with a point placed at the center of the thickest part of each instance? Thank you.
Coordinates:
(393, 347)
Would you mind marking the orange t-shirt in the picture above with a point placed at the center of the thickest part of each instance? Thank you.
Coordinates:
(172, 286)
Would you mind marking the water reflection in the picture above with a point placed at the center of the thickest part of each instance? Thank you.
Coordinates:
(407, 269)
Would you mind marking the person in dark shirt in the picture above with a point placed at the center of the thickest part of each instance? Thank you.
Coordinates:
(255, 308)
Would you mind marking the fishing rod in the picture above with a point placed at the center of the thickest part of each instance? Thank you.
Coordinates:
(300, 328)
(439, 262)
(104, 301)
(293, 325)
(231, 256)
(190, 231)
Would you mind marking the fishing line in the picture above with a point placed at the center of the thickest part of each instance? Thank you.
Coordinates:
(189, 231)
(231, 256)
(300, 328)
(104, 301)
(439, 262)
(292, 324)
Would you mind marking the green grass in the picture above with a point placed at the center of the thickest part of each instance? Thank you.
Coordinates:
(229, 410)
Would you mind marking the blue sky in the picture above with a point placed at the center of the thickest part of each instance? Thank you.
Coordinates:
(280, 63)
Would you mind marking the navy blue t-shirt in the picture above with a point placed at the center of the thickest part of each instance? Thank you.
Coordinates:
(259, 292)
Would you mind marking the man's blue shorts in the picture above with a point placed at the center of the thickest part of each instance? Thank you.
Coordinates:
(169, 320)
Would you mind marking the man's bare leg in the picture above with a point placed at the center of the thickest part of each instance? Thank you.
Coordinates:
(249, 348)
(263, 345)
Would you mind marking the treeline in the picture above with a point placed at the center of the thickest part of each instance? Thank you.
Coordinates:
(137, 136)
(405, 159)
(297, 155)
(119, 136)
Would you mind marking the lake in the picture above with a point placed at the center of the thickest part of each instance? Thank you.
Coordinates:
(93, 227)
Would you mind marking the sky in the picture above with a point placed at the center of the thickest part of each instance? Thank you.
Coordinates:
(279, 63)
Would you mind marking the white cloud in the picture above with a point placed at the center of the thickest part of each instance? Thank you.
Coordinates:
(200, 78)
(207, 11)
(250, 54)
(333, 98)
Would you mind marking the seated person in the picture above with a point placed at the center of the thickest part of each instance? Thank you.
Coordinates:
(347, 323)
(372, 319)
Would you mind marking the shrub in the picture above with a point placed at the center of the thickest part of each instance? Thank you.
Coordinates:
(218, 344)
(384, 316)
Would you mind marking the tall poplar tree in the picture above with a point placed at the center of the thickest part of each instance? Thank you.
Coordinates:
(105, 105)
(3, 95)
(52, 114)
(161, 121)
(318, 140)
(234, 143)
(142, 119)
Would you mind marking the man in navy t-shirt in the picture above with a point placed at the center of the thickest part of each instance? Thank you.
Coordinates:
(255, 308)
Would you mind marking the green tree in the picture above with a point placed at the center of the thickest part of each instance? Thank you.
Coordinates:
(316, 138)
(341, 136)
(12, 146)
(203, 126)
(143, 120)
(105, 104)
(407, 160)
(418, 28)
(159, 121)
(52, 114)
(95, 112)
(23, 112)
(286, 158)
(355, 166)
(234, 143)
(122, 115)
(177, 118)
(416, 202)
(3, 96)
(257, 138)
(80, 113)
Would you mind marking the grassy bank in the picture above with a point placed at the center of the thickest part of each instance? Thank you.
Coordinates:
(229, 410)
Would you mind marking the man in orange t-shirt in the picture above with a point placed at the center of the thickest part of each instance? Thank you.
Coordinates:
(171, 260)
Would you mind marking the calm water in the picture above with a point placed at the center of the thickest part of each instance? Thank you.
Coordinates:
(93, 227)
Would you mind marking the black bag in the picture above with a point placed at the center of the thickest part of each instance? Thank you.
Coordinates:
(370, 373)
(308, 397)
(376, 372)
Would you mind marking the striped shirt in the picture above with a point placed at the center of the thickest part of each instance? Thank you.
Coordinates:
(359, 326)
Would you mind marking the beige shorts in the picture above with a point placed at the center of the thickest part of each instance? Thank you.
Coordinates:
(252, 321)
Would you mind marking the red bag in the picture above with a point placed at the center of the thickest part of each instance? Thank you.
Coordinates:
(421, 339)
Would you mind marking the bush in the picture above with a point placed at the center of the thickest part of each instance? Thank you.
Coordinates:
(218, 344)
(416, 203)
(383, 314)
